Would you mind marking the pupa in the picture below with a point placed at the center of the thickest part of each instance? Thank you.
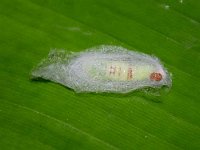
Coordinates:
(104, 68)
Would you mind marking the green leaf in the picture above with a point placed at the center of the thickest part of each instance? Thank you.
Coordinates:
(45, 115)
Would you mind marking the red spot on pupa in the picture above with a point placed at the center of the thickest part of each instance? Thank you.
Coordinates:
(156, 76)
(130, 73)
(112, 70)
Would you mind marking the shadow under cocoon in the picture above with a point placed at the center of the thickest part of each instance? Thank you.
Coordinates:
(148, 93)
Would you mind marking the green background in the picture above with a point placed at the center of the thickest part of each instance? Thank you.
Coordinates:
(45, 115)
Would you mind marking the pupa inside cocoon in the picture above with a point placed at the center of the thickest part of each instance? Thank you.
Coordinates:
(103, 69)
